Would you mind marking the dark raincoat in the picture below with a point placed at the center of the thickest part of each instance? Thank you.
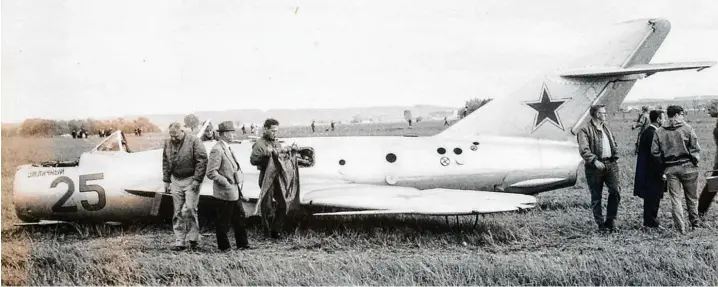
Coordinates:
(282, 170)
(649, 172)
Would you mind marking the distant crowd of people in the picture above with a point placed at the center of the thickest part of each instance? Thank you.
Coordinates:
(79, 134)
(331, 126)
(82, 133)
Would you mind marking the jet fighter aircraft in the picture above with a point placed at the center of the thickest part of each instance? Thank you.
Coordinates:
(493, 160)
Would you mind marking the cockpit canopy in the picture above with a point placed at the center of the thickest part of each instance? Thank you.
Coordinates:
(116, 142)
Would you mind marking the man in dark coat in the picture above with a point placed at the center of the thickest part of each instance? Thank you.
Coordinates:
(264, 151)
(649, 183)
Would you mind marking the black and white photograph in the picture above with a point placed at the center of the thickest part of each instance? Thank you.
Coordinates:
(359, 143)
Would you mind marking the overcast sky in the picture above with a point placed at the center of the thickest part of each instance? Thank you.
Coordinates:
(101, 59)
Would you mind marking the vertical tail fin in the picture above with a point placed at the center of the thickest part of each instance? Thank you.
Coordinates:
(554, 105)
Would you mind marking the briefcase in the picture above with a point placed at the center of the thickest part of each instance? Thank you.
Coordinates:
(708, 194)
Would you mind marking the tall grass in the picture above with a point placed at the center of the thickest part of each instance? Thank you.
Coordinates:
(554, 244)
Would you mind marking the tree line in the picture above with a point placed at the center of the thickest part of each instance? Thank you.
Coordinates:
(48, 128)
(472, 105)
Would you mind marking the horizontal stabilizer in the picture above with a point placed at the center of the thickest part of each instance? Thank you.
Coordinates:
(639, 69)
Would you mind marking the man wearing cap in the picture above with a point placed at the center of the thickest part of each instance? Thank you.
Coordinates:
(184, 162)
(223, 168)
(598, 148)
(675, 146)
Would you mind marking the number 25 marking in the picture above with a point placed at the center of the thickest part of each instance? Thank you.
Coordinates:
(84, 187)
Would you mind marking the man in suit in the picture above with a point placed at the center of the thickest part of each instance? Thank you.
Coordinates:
(649, 183)
(223, 168)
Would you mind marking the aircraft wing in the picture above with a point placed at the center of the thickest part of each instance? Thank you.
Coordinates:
(377, 199)
(373, 199)
(647, 69)
(149, 187)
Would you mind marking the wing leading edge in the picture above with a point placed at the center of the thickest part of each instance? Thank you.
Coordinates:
(371, 199)
(374, 199)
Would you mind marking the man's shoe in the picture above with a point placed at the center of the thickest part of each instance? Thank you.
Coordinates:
(276, 235)
(225, 250)
(654, 228)
(178, 248)
(699, 224)
(245, 247)
(608, 225)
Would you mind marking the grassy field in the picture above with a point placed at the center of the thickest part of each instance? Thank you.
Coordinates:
(554, 244)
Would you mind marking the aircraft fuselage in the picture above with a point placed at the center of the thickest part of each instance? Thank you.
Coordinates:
(97, 188)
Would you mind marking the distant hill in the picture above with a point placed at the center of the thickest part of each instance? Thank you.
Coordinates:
(305, 116)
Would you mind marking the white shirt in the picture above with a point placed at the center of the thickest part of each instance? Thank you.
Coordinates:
(605, 144)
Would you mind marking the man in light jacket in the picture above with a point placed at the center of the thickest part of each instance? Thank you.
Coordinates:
(223, 168)
(675, 147)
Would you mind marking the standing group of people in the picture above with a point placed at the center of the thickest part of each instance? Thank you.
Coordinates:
(81, 134)
(667, 161)
(185, 164)
(138, 131)
(331, 125)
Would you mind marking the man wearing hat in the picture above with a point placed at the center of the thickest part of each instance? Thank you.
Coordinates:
(223, 168)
